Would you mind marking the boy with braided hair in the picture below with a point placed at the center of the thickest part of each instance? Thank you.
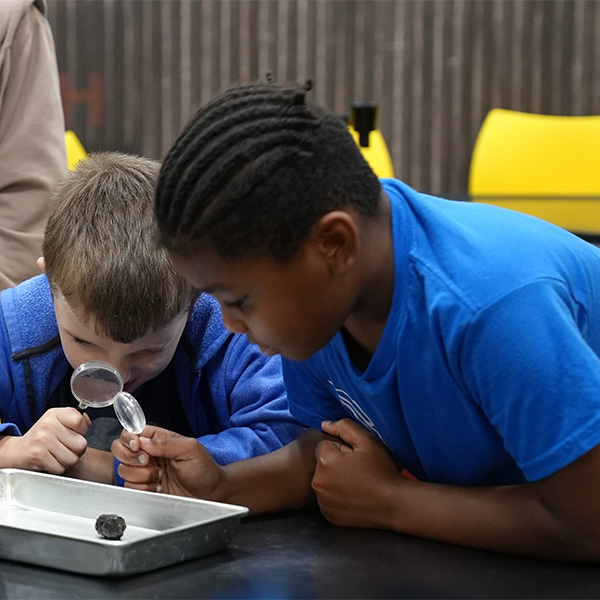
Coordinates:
(457, 340)
(109, 293)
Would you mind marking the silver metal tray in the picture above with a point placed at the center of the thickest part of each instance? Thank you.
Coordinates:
(49, 520)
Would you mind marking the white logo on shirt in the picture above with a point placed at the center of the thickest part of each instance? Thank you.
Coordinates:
(355, 410)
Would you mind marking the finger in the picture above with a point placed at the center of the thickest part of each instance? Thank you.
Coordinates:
(178, 448)
(170, 448)
(145, 487)
(140, 475)
(69, 441)
(328, 451)
(156, 433)
(41, 459)
(126, 456)
(63, 456)
(346, 429)
(72, 419)
(130, 440)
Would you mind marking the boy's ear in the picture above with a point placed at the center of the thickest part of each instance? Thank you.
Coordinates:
(336, 236)
(41, 263)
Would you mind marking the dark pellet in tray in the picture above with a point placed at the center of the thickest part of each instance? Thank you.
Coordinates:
(110, 526)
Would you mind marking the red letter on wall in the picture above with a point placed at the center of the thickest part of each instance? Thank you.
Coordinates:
(92, 98)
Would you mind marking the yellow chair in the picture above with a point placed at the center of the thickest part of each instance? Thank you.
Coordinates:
(363, 127)
(75, 149)
(544, 165)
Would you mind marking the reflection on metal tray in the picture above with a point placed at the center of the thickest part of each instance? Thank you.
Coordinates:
(50, 521)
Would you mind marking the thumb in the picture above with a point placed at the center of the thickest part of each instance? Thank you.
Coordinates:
(173, 448)
(347, 430)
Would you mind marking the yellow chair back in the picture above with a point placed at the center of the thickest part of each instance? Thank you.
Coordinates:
(544, 165)
(75, 149)
(369, 139)
(376, 153)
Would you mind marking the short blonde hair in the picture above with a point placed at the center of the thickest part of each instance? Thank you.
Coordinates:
(101, 252)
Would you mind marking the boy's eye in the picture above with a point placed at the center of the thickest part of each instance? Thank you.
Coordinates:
(81, 342)
(154, 350)
(236, 303)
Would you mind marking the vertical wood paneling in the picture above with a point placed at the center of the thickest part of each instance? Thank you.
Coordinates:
(205, 82)
(537, 60)
(322, 50)
(304, 41)
(168, 82)
(595, 68)
(456, 95)
(130, 93)
(395, 139)
(434, 67)
(436, 113)
(580, 63)
(186, 99)
(149, 74)
(558, 49)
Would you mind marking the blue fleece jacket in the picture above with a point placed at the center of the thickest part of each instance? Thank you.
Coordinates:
(232, 395)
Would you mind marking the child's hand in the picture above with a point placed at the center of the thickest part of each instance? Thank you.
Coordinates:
(54, 443)
(164, 461)
(138, 468)
(354, 477)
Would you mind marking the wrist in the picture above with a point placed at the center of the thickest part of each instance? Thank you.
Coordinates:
(224, 488)
(392, 512)
(9, 456)
(94, 465)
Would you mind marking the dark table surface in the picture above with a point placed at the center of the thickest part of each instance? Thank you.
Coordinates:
(300, 555)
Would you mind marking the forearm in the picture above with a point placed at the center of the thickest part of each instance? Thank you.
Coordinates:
(359, 485)
(511, 519)
(278, 481)
(94, 465)
(9, 454)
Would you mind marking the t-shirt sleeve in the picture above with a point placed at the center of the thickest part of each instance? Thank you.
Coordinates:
(529, 361)
(311, 397)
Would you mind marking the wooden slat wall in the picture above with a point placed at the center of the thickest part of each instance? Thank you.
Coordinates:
(134, 71)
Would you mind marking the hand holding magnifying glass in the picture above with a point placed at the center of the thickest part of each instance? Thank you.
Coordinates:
(97, 384)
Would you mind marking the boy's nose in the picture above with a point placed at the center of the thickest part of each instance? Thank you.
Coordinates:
(122, 365)
(234, 325)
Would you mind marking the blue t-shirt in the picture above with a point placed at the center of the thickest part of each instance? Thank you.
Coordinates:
(488, 369)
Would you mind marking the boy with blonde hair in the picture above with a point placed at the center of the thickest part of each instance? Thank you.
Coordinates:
(109, 293)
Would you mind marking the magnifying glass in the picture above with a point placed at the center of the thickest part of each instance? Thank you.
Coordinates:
(96, 384)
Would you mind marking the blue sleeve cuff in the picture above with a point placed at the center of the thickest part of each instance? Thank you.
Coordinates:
(118, 479)
(9, 429)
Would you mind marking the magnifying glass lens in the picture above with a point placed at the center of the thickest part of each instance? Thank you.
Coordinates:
(129, 412)
(98, 384)
(95, 383)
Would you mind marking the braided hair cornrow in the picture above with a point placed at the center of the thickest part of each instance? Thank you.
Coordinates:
(255, 169)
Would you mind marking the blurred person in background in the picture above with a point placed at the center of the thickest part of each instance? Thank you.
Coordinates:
(32, 135)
